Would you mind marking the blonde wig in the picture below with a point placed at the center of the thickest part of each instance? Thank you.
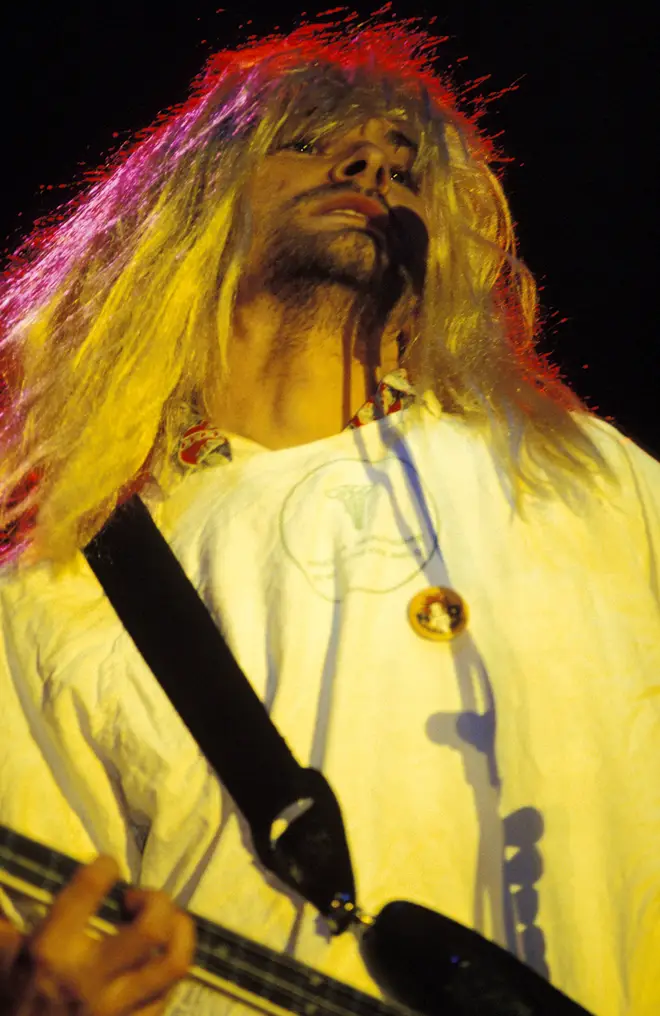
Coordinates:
(117, 312)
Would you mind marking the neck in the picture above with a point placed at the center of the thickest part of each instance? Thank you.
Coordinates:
(300, 371)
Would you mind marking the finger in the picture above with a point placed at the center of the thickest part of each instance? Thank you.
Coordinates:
(11, 940)
(156, 1008)
(11, 978)
(147, 986)
(79, 900)
(149, 932)
(17, 983)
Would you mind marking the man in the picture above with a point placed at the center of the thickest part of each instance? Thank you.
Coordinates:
(294, 320)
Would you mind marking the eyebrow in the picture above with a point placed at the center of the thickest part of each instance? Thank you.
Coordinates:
(401, 141)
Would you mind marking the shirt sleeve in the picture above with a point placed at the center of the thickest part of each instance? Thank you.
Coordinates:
(139, 767)
(639, 475)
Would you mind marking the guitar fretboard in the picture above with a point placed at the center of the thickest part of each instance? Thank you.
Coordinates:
(222, 957)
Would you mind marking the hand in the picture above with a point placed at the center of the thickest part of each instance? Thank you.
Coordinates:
(60, 970)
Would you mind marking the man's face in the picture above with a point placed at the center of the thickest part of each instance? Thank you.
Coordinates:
(298, 246)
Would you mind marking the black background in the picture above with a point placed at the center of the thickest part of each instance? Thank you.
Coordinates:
(581, 127)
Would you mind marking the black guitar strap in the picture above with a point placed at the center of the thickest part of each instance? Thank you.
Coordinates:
(185, 650)
(420, 958)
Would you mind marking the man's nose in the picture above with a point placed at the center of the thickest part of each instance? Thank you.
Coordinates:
(368, 164)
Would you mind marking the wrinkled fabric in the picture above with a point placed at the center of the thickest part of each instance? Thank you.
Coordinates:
(509, 777)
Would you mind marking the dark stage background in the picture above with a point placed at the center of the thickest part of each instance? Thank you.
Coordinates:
(581, 127)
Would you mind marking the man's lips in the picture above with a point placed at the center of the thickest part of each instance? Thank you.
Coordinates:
(353, 203)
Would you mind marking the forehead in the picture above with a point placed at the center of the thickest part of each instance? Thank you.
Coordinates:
(398, 133)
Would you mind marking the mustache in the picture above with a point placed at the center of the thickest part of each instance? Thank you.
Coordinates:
(404, 230)
(344, 190)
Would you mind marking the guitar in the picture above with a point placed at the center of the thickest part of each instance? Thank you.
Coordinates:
(410, 959)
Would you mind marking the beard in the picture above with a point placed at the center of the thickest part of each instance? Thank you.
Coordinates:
(300, 260)
(362, 286)
(339, 272)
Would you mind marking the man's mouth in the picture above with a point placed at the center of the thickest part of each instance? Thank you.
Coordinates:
(347, 213)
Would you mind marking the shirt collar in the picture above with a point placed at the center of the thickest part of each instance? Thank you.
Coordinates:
(202, 445)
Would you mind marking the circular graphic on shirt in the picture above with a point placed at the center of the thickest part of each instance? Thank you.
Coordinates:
(374, 526)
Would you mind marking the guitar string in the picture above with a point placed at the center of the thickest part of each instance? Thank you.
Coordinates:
(357, 1001)
(224, 962)
(361, 1000)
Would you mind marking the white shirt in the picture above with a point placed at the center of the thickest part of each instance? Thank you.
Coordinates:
(519, 760)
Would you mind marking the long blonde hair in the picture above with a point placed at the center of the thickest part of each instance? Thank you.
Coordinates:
(118, 312)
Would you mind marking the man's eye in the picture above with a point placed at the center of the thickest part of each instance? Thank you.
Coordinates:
(300, 142)
(407, 177)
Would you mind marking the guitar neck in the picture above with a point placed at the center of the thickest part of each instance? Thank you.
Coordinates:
(225, 961)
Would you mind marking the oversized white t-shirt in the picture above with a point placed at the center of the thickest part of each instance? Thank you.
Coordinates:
(508, 777)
